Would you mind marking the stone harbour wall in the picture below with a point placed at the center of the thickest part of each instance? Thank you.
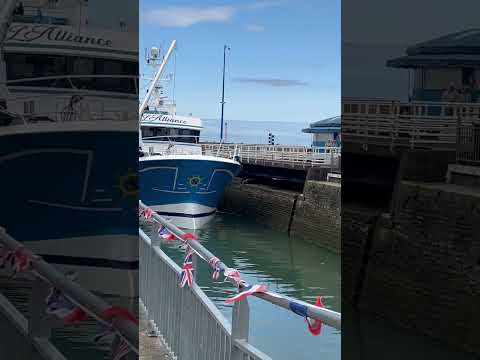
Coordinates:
(317, 216)
(263, 203)
(313, 216)
(421, 264)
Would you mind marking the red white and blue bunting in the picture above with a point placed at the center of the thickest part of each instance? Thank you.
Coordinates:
(186, 276)
(247, 291)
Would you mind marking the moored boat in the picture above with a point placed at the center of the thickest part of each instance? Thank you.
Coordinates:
(68, 101)
(177, 179)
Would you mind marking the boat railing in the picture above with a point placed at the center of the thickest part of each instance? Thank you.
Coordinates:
(79, 82)
(414, 125)
(187, 145)
(37, 327)
(69, 115)
(189, 322)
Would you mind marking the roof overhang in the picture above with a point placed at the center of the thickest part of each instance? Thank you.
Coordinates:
(446, 60)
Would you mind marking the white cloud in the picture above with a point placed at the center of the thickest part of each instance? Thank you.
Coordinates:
(188, 16)
(254, 28)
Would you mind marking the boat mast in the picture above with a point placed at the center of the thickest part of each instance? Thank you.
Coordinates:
(144, 103)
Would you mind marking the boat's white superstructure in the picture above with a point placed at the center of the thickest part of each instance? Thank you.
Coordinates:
(177, 179)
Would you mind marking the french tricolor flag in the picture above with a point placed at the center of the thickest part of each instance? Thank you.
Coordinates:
(249, 290)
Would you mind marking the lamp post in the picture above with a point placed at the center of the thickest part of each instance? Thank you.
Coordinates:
(225, 48)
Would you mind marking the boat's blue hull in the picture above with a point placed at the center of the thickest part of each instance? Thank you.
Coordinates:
(60, 184)
(185, 189)
(71, 196)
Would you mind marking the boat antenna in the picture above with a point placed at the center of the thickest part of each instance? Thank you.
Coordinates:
(225, 48)
(155, 80)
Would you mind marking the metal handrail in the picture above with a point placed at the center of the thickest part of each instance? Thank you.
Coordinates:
(417, 124)
(326, 316)
(305, 156)
(86, 300)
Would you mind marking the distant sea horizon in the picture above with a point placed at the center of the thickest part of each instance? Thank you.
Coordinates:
(256, 132)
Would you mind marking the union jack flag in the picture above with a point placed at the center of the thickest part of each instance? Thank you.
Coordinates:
(121, 350)
(187, 270)
(164, 233)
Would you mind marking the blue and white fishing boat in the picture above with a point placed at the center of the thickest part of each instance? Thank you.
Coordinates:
(68, 101)
(177, 178)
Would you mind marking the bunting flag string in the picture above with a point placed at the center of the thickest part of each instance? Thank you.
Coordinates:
(147, 213)
(186, 277)
(314, 326)
(19, 260)
(247, 291)
(189, 236)
(214, 262)
(232, 274)
(116, 311)
(165, 234)
(58, 304)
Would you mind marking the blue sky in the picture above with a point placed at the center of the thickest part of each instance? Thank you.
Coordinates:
(284, 63)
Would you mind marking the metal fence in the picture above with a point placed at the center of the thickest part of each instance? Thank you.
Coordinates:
(37, 328)
(187, 319)
(289, 156)
(468, 144)
(414, 125)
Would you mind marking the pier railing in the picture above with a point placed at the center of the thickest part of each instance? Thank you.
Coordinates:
(414, 125)
(468, 144)
(187, 319)
(37, 328)
(289, 156)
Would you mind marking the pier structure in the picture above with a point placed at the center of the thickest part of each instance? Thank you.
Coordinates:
(288, 163)
(29, 334)
(279, 156)
(410, 195)
(187, 320)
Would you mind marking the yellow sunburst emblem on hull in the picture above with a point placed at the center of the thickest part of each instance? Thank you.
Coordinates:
(194, 181)
(128, 184)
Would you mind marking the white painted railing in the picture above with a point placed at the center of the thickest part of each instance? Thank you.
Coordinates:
(415, 125)
(189, 322)
(37, 328)
(187, 319)
(290, 156)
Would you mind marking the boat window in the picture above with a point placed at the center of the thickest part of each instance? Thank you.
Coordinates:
(24, 66)
(171, 134)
